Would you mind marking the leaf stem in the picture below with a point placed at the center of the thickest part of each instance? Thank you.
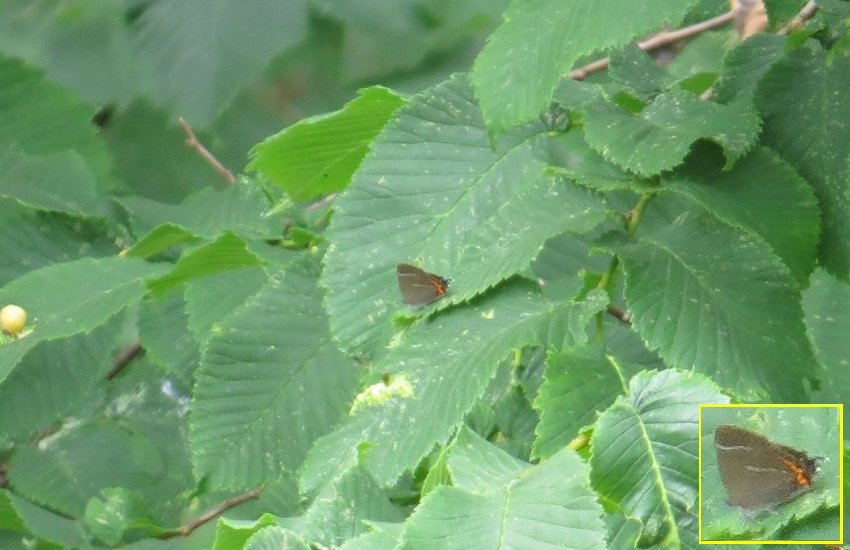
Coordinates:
(637, 212)
(633, 221)
(193, 142)
(609, 273)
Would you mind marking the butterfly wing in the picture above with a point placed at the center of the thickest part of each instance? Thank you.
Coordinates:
(757, 472)
(418, 287)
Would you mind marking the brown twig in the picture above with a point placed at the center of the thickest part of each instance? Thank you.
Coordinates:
(124, 357)
(797, 21)
(620, 314)
(655, 42)
(186, 530)
(192, 141)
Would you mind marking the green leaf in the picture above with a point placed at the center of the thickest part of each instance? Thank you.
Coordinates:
(508, 504)
(515, 421)
(823, 526)
(746, 65)
(516, 73)
(515, 237)
(584, 165)
(164, 332)
(433, 192)
(565, 261)
(478, 466)
(225, 253)
(342, 509)
(234, 533)
(645, 446)
(70, 298)
(270, 383)
(109, 518)
(622, 532)
(702, 56)
(217, 45)
(35, 239)
(627, 348)
(241, 208)
(159, 240)
(318, 155)
(40, 117)
(82, 45)
(9, 518)
(210, 299)
(716, 299)
(52, 379)
(761, 194)
(135, 441)
(578, 384)
(82, 461)
(805, 109)
(45, 524)
(438, 474)
(659, 137)
(826, 304)
(571, 93)
(59, 182)
(281, 497)
(635, 69)
(779, 12)
(383, 38)
(448, 363)
(373, 540)
(275, 538)
(830, 21)
(152, 408)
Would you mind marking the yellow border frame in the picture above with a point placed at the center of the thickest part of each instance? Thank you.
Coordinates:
(840, 408)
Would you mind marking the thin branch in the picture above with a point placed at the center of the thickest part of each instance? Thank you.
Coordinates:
(655, 42)
(192, 141)
(620, 314)
(583, 72)
(186, 530)
(321, 202)
(124, 357)
(669, 37)
(797, 21)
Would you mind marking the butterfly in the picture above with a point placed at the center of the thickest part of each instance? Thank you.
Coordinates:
(418, 287)
(757, 472)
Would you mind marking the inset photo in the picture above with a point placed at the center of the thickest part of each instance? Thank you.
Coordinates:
(771, 474)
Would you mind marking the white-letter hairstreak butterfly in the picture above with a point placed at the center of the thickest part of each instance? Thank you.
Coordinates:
(757, 472)
(418, 287)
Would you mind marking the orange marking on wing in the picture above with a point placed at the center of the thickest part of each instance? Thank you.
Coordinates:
(801, 477)
(438, 285)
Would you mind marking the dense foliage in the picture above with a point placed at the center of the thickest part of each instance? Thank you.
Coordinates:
(224, 361)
